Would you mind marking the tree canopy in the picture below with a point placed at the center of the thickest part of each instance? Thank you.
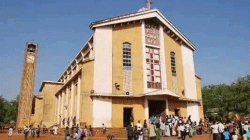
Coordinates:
(8, 110)
(224, 98)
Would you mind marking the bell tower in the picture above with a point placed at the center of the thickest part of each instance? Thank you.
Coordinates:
(27, 85)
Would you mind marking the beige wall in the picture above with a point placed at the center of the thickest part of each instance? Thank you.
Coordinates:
(199, 97)
(46, 108)
(127, 33)
(117, 110)
(173, 46)
(176, 104)
(38, 115)
(86, 87)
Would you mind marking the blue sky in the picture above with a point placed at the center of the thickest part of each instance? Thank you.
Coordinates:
(219, 28)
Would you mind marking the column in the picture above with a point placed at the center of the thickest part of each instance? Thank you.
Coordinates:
(58, 108)
(72, 103)
(62, 106)
(146, 109)
(162, 60)
(144, 57)
(78, 100)
(67, 103)
(167, 110)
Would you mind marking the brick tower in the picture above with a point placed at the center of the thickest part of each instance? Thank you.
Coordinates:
(27, 85)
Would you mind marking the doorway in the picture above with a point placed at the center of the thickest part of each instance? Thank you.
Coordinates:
(157, 108)
(127, 113)
(176, 112)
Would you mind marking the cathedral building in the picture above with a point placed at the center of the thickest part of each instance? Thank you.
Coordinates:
(134, 65)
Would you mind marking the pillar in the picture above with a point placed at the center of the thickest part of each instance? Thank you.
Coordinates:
(67, 103)
(78, 100)
(62, 106)
(167, 110)
(71, 103)
(58, 108)
(146, 109)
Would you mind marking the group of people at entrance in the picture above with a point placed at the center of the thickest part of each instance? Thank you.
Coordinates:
(78, 133)
(164, 127)
(173, 126)
(229, 130)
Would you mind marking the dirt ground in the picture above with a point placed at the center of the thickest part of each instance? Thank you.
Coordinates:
(51, 137)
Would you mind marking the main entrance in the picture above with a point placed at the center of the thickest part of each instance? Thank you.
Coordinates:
(127, 114)
(157, 107)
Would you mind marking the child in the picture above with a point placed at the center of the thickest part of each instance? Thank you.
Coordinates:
(226, 134)
(10, 131)
(234, 136)
(244, 135)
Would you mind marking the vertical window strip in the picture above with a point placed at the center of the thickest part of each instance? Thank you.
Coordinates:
(126, 56)
(173, 65)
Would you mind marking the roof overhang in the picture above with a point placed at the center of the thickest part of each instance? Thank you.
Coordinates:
(153, 93)
(148, 14)
(49, 82)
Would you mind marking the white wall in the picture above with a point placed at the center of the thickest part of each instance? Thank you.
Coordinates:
(102, 112)
(189, 72)
(102, 108)
(103, 60)
(192, 109)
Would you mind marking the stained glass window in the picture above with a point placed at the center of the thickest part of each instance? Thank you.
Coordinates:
(153, 68)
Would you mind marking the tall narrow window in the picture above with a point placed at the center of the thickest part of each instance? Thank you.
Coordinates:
(153, 68)
(173, 66)
(126, 56)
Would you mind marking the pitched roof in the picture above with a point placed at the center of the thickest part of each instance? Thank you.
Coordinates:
(141, 15)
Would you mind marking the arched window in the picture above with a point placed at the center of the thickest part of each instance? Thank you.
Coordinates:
(173, 66)
(126, 56)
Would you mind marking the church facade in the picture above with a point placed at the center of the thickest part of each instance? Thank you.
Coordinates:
(135, 65)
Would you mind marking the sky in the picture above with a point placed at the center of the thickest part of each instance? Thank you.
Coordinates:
(219, 28)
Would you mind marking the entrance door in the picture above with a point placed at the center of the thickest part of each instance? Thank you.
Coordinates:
(176, 111)
(157, 107)
(127, 113)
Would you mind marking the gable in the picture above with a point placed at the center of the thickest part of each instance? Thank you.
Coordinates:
(148, 14)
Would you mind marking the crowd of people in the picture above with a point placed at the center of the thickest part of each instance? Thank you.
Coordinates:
(171, 126)
(78, 133)
(229, 130)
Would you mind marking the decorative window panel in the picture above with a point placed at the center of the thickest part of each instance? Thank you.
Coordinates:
(152, 33)
(153, 68)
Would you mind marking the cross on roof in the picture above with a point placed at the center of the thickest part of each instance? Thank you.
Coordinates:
(149, 2)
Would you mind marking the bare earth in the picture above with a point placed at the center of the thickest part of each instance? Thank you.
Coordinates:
(51, 137)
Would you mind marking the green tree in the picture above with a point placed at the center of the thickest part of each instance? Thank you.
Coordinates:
(2, 109)
(11, 109)
(234, 98)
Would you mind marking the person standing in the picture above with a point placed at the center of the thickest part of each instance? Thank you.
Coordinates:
(221, 130)
(152, 131)
(167, 129)
(38, 131)
(26, 132)
(183, 131)
(10, 131)
(215, 131)
(130, 132)
(139, 129)
(226, 135)
(67, 134)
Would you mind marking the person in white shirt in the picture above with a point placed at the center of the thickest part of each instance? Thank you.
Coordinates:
(55, 129)
(215, 131)
(221, 129)
(139, 129)
(183, 131)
